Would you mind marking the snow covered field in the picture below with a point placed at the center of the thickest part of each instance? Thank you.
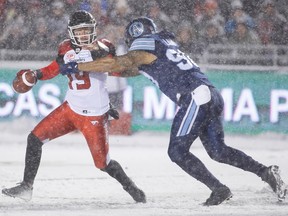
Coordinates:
(69, 184)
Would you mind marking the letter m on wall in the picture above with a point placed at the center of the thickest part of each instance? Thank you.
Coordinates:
(161, 107)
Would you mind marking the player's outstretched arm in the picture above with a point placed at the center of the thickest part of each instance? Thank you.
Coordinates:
(127, 62)
(131, 72)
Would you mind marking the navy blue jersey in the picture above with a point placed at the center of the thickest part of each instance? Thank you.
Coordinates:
(173, 71)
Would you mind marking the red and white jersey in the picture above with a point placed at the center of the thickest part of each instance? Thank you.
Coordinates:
(87, 92)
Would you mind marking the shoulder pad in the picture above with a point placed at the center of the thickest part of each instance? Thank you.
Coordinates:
(103, 46)
(64, 46)
(111, 47)
(106, 42)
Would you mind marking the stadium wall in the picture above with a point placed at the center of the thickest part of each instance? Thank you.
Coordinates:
(255, 101)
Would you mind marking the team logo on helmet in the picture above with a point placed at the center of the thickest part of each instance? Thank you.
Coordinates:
(136, 29)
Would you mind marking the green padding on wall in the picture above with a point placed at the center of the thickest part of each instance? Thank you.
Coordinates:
(258, 83)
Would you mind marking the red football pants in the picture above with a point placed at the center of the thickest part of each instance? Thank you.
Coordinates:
(94, 128)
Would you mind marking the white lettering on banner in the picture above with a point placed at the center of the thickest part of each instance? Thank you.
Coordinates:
(128, 99)
(153, 105)
(48, 101)
(27, 102)
(8, 107)
(246, 106)
(227, 94)
(45, 96)
(276, 107)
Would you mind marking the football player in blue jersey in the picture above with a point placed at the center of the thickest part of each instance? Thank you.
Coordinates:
(157, 56)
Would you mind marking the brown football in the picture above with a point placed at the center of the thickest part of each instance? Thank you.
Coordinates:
(22, 83)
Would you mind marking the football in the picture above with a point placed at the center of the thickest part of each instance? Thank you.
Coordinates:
(24, 81)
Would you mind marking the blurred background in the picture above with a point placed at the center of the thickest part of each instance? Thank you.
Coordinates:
(200, 24)
(241, 44)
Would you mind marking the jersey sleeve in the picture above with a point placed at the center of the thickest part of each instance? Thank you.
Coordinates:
(145, 44)
(52, 69)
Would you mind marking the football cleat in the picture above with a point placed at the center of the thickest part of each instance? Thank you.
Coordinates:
(271, 175)
(218, 196)
(22, 191)
(137, 194)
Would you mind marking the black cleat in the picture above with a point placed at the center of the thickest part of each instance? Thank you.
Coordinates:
(271, 175)
(137, 194)
(22, 191)
(218, 196)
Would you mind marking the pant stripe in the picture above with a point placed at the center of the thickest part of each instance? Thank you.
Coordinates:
(188, 119)
(193, 120)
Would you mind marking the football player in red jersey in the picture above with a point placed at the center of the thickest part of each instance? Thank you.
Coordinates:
(86, 108)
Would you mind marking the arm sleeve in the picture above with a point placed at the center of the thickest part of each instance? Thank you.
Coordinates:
(53, 68)
(50, 71)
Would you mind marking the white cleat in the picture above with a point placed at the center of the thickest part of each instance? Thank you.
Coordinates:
(272, 177)
(282, 193)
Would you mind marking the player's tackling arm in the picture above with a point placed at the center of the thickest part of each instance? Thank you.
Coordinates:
(127, 73)
(126, 64)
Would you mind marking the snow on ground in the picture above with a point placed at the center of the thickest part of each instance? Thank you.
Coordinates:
(68, 183)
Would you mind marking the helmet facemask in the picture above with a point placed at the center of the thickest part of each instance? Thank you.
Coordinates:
(87, 38)
(83, 22)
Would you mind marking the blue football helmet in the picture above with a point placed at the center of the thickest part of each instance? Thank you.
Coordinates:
(139, 27)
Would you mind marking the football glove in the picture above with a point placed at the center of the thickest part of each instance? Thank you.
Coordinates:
(69, 68)
(112, 112)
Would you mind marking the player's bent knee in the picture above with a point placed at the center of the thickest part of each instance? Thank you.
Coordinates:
(175, 154)
(217, 156)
